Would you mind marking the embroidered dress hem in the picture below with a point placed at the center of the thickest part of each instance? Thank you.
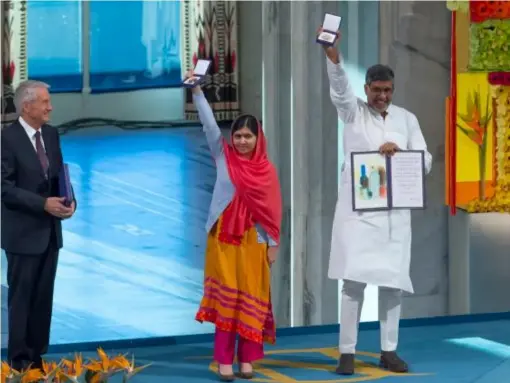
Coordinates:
(237, 296)
(211, 316)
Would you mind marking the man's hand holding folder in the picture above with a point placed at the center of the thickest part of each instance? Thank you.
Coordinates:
(66, 191)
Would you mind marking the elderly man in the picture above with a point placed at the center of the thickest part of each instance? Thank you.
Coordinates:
(31, 222)
(371, 247)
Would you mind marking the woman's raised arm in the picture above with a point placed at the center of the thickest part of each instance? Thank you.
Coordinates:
(209, 125)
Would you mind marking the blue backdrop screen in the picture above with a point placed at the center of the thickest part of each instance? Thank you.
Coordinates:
(134, 45)
(54, 44)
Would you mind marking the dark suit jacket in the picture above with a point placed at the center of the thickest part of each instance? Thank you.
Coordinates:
(26, 226)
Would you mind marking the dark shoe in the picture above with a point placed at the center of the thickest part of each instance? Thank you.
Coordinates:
(245, 375)
(345, 365)
(21, 365)
(16, 365)
(391, 362)
(37, 363)
(226, 378)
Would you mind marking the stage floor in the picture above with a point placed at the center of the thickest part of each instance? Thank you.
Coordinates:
(476, 352)
(132, 268)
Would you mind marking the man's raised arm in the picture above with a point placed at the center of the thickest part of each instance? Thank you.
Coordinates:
(340, 90)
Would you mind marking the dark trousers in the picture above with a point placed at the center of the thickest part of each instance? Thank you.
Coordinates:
(31, 280)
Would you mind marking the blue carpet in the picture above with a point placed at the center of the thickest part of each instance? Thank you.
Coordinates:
(453, 352)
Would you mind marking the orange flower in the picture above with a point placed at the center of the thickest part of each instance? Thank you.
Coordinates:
(76, 367)
(73, 370)
(129, 367)
(474, 136)
(10, 373)
(32, 375)
(6, 371)
(102, 368)
(473, 120)
(101, 365)
(475, 123)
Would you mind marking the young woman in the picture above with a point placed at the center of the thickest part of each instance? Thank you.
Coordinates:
(243, 236)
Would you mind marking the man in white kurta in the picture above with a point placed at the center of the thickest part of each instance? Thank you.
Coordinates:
(371, 247)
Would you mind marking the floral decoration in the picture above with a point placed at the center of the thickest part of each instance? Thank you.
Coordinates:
(75, 371)
(500, 202)
(499, 78)
(489, 52)
(481, 11)
(489, 47)
(474, 124)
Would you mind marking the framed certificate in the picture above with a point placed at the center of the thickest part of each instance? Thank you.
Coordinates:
(382, 182)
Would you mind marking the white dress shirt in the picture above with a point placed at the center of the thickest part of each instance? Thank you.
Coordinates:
(31, 133)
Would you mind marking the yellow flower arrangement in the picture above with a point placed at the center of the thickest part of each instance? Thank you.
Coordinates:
(75, 371)
(500, 202)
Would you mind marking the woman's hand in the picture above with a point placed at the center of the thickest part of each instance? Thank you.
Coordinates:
(272, 251)
(195, 89)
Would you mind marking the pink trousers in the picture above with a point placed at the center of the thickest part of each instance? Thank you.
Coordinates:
(225, 345)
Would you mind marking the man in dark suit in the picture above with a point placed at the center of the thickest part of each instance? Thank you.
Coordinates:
(31, 222)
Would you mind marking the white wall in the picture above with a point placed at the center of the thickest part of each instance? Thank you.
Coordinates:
(141, 105)
(479, 263)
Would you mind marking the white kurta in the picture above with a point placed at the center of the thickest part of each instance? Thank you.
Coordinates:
(370, 247)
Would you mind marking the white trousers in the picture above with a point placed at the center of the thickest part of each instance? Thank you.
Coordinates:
(389, 315)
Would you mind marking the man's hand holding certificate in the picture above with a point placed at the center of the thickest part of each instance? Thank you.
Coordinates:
(388, 179)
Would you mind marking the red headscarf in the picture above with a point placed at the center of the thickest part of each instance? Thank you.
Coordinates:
(257, 197)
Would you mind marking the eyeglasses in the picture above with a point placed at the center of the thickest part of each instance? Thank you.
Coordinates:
(378, 90)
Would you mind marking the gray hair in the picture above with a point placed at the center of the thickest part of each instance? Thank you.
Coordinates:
(25, 92)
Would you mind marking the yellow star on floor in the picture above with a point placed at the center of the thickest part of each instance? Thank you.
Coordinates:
(365, 371)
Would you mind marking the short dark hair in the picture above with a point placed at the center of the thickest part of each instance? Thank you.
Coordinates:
(379, 72)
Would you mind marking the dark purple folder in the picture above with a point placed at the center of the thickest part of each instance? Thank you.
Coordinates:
(64, 185)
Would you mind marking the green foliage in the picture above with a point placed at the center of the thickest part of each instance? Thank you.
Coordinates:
(490, 46)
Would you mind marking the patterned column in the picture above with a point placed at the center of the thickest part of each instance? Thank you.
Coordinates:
(210, 32)
(483, 104)
(14, 58)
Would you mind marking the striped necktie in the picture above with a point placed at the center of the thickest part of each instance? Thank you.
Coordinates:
(43, 159)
